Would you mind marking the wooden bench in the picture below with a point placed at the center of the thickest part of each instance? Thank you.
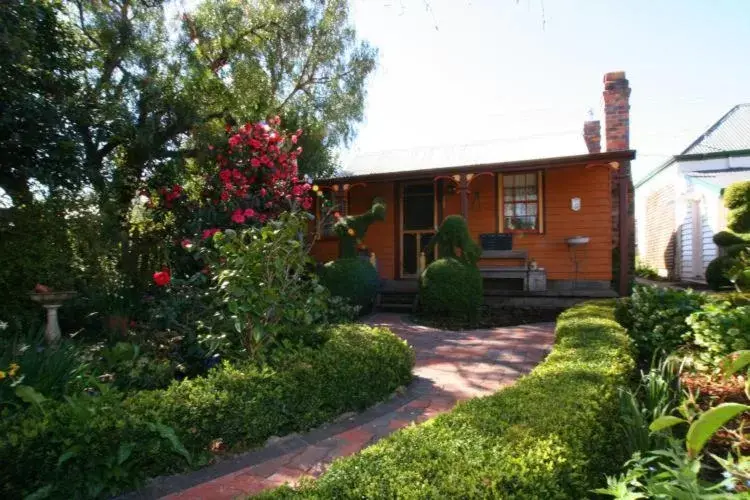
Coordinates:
(533, 279)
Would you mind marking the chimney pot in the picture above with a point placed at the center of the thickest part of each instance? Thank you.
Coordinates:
(592, 134)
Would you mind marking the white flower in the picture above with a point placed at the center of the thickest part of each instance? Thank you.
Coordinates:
(3, 325)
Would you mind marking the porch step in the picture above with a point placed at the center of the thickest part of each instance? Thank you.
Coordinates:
(397, 301)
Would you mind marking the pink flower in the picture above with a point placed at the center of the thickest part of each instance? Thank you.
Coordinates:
(224, 196)
(249, 212)
(263, 191)
(307, 203)
(225, 175)
(255, 162)
(235, 140)
(294, 139)
(186, 244)
(238, 216)
(208, 233)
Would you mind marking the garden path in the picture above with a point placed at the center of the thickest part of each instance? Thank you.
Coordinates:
(450, 366)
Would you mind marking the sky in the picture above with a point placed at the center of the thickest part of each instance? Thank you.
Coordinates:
(454, 72)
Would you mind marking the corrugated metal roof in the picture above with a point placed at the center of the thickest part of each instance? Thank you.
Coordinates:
(722, 178)
(730, 133)
(495, 151)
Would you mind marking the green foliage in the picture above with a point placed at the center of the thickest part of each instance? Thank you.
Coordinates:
(352, 228)
(86, 447)
(49, 370)
(354, 279)
(550, 435)
(454, 241)
(99, 446)
(38, 64)
(643, 270)
(656, 395)
(717, 271)
(450, 287)
(264, 288)
(720, 328)
(655, 318)
(665, 474)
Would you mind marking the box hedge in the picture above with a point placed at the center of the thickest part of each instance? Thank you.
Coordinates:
(550, 435)
(102, 445)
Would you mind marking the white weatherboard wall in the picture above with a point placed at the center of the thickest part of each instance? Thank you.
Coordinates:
(698, 214)
(651, 247)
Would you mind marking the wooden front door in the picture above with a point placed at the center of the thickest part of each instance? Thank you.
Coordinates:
(417, 226)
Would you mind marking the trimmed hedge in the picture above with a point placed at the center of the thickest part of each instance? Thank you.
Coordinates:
(240, 405)
(553, 434)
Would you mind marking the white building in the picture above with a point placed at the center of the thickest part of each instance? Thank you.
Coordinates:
(679, 207)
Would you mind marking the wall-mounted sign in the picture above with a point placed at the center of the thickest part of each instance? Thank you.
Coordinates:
(575, 204)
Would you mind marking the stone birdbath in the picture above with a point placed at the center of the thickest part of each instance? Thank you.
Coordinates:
(51, 301)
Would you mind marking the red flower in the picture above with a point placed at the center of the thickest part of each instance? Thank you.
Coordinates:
(255, 162)
(225, 175)
(162, 278)
(224, 196)
(238, 216)
(249, 212)
(207, 233)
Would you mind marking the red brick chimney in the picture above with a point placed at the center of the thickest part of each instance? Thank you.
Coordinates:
(592, 134)
(616, 111)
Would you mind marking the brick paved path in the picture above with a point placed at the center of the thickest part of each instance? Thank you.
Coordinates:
(451, 366)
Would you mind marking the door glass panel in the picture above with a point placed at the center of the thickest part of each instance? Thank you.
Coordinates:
(424, 240)
(409, 263)
(419, 207)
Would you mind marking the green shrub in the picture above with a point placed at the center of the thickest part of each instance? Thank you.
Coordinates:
(241, 405)
(451, 288)
(719, 329)
(655, 317)
(454, 241)
(354, 279)
(717, 270)
(550, 435)
(727, 238)
(263, 284)
(352, 228)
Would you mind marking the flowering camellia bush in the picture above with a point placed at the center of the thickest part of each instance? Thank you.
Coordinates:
(245, 226)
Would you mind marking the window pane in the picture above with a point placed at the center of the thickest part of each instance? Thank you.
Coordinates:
(531, 179)
(509, 195)
(520, 209)
(508, 180)
(508, 209)
(531, 208)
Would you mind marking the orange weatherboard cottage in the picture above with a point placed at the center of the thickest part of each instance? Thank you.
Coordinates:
(559, 226)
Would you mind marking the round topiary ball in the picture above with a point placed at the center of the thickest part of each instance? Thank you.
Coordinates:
(716, 272)
(354, 279)
(451, 288)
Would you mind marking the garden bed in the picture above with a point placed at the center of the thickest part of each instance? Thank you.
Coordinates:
(98, 446)
(549, 435)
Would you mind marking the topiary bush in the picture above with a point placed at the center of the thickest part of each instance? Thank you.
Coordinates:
(732, 242)
(553, 434)
(454, 241)
(451, 288)
(98, 446)
(354, 278)
(655, 317)
(352, 228)
(351, 277)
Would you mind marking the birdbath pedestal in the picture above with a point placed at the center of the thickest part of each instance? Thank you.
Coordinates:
(52, 301)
